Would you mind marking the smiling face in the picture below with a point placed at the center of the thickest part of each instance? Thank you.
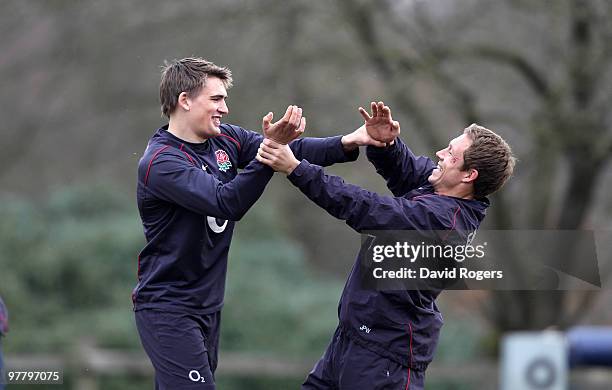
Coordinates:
(448, 178)
(205, 110)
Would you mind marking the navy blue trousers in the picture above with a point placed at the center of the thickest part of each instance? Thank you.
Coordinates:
(182, 347)
(349, 366)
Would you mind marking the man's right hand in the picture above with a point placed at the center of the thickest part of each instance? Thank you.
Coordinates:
(288, 128)
(380, 126)
(276, 156)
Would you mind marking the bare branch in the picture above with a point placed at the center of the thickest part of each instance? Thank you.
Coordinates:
(360, 17)
(465, 100)
(521, 65)
(607, 148)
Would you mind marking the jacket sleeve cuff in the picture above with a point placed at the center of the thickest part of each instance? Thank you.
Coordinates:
(344, 156)
(300, 172)
(376, 151)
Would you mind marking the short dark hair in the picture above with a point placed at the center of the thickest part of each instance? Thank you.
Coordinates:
(187, 75)
(491, 156)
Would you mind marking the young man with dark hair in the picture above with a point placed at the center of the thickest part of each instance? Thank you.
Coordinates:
(386, 339)
(189, 196)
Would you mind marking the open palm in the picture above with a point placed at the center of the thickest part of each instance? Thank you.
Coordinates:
(380, 125)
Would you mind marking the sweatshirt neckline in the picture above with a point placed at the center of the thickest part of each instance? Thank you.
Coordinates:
(198, 146)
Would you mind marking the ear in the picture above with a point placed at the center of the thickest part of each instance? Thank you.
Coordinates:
(183, 101)
(470, 176)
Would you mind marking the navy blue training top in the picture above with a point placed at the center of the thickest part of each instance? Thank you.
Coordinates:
(402, 325)
(189, 197)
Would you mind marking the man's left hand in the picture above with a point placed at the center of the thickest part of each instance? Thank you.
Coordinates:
(380, 125)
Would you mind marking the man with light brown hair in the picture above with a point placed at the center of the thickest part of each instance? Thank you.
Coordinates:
(491, 157)
(386, 338)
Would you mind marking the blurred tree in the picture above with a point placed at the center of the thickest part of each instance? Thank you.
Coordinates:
(68, 265)
(552, 61)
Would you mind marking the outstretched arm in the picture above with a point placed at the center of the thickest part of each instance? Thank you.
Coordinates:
(361, 209)
(320, 151)
(170, 178)
(327, 151)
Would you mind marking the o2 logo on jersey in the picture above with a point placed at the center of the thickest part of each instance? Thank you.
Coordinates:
(214, 226)
(212, 221)
(195, 376)
(223, 160)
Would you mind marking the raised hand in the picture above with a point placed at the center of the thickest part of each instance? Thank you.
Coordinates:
(288, 128)
(380, 126)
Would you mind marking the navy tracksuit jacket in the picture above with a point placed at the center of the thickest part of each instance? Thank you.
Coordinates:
(401, 325)
(189, 196)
